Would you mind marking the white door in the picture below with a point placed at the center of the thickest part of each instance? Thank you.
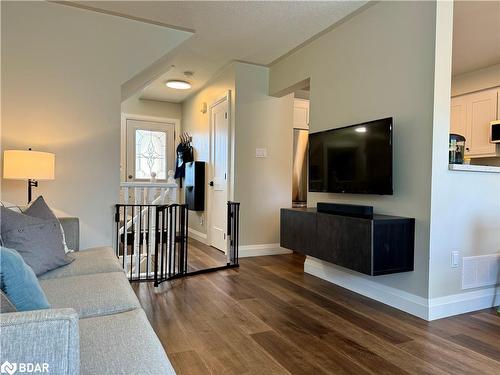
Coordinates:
(219, 118)
(150, 148)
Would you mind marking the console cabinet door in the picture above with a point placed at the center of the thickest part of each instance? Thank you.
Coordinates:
(296, 230)
(345, 241)
(393, 246)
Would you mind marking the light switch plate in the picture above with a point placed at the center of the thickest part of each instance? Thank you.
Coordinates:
(261, 152)
(454, 259)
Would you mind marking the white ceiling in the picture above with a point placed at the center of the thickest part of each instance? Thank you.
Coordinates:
(225, 31)
(476, 35)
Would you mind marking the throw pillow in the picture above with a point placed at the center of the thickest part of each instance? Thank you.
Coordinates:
(39, 208)
(39, 241)
(19, 282)
(10, 206)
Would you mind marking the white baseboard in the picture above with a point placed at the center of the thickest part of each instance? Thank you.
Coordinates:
(425, 308)
(199, 236)
(455, 304)
(399, 299)
(261, 250)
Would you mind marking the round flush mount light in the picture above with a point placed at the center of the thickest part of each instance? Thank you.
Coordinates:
(178, 84)
(361, 129)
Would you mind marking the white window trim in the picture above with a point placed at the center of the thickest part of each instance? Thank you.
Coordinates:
(123, 136)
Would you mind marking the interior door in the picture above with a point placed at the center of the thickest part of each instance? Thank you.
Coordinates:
(218, 175)
(150, 148)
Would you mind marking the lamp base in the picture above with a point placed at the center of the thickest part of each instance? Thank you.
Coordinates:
(31, 184)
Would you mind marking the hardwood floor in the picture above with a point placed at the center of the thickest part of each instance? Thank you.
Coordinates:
(268, 317)
(201, 256)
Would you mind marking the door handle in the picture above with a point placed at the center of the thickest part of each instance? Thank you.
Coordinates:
(130, 176)
(211, 183)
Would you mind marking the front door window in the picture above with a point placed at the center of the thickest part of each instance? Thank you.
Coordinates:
(150, 150)
(150, 154)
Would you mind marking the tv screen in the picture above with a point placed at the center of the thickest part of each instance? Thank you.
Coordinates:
(354, 159)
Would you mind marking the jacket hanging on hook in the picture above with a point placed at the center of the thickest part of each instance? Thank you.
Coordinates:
(184, 155)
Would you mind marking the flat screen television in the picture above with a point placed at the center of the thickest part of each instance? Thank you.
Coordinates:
(353, 159)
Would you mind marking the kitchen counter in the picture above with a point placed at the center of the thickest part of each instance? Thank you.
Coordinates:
(473, 168)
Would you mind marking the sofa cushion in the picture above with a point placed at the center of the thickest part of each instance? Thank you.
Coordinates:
(91, 295)
(121, 344)
(39, 241)
(19, 283)
(87, 262)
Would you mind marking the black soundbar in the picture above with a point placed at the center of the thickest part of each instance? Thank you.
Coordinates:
(345, 209)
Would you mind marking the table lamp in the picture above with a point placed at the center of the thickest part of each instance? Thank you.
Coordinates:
(28, 165)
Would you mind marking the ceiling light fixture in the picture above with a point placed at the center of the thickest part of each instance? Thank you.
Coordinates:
(178, 84)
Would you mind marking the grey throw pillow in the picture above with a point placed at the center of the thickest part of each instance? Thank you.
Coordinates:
(10, 206)
(39, 241)
(39, 208)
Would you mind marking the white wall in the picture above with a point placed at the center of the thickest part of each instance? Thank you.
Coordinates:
(476, 80)
(379, 63)
(465, 210)
(135, 105)
(262, 185)
(62, 69)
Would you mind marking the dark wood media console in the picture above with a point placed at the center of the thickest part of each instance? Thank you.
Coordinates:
(373, 246)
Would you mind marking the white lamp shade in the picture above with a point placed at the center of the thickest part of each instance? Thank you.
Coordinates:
(24, 165)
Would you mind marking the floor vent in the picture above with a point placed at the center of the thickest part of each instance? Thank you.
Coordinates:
(480, 271)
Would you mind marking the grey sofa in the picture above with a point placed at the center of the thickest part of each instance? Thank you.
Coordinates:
(96, 324)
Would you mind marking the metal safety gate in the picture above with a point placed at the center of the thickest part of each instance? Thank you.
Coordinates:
(152, 241)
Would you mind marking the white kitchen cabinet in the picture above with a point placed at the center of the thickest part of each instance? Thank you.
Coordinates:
(471, 115)
(301, 114)
(458, 116)
(483, 109)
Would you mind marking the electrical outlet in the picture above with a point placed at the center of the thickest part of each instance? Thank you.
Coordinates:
(454, 259)
(201, 220)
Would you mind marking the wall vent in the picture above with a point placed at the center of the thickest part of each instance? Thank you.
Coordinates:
(482, 270)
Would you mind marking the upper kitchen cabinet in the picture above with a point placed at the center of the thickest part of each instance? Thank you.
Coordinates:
(458, 116)
(471, 115)
(301, 114)
(483, 110)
